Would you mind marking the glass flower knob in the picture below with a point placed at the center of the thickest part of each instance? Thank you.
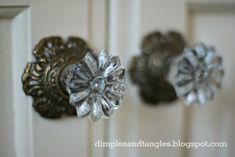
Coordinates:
(96, 85)
(197, 75)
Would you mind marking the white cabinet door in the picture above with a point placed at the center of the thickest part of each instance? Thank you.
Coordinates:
(209, 21)
(119, 26)
(23, 23)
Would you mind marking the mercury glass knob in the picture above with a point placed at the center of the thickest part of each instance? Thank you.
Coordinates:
(96, 85)
(197, 75)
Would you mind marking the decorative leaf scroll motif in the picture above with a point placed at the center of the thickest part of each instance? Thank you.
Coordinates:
(150, 69)
(41, 78)
(198, 74)
(96, 85)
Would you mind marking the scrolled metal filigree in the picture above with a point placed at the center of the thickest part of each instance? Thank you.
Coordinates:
(41, 78)
(150, 69)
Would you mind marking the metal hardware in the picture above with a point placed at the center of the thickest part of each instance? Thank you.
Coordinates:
(150, 69)
(68, 79)
(41, 78)
(167, 69)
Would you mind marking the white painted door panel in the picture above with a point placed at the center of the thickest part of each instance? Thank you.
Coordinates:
(16, 129)
(7, 128)
(119, 26)
(23, 24)
(209, 21)
(215, 121)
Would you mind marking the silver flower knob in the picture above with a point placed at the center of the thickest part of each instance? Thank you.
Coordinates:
(198, 74)
(96, 85)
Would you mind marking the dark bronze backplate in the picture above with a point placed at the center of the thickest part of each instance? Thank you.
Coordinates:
(41, 78)
(149, 70)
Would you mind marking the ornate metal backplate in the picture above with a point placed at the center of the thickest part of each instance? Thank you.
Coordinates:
(41, 78)
(150, 69)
